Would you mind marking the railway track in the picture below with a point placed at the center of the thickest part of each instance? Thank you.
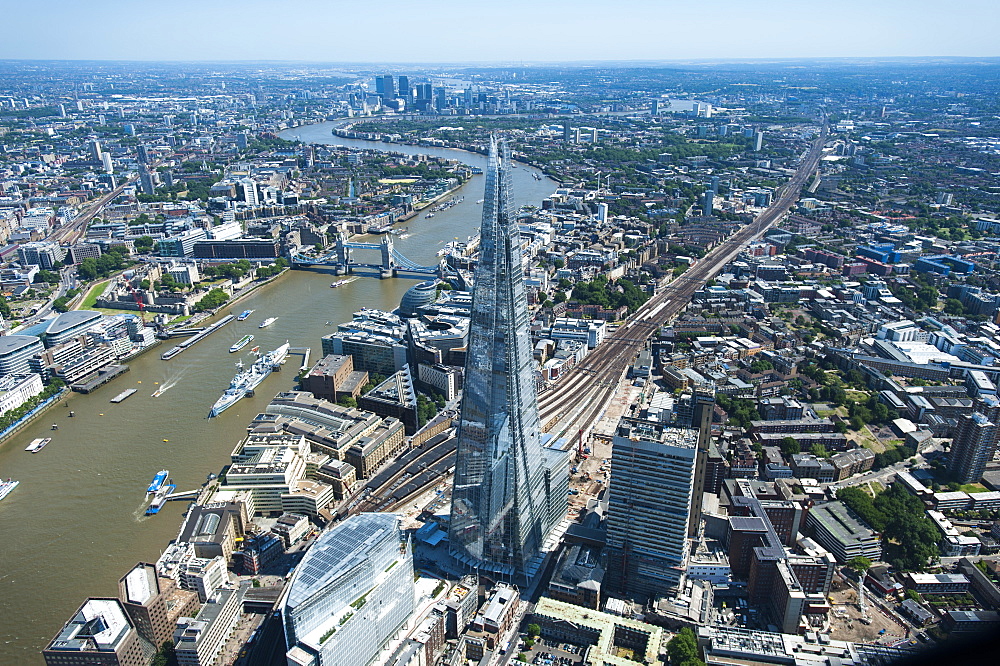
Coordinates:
(412, 474)
(583, 392)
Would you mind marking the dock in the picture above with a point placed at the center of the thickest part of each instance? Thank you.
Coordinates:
(198, 337)
(100, 379)
(123, 395)
(304, 351)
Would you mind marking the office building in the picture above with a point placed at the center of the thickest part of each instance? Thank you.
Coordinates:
(99, 633)
(16, 352)
(508, 491)
(838, 530)
(975, 441)
(145, 603)
(199, 640)
(43, 254)
(351, 593)
(649, 502)
(69, 325)
(385, 86)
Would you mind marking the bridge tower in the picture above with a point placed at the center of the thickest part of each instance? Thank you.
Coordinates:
(343, 253)
(388, 260)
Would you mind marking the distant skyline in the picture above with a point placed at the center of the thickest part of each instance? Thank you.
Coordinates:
(511, 31)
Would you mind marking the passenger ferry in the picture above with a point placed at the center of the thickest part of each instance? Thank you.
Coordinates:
(38, 444)
(244, 315)
(241, 343)
(160, 498)
(267, 322)
(157, 482)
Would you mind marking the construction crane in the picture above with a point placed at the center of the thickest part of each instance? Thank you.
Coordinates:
(138, 299)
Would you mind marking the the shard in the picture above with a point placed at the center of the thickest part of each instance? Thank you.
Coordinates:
(509, 491)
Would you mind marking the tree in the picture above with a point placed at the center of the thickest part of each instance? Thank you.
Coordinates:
(165, 656)
(46, 276)
(953, 306)
(819, 450)
(860, 564)
(789, 446)
(683, 649)
(212, 300)
(534, 629)
(348, 401)
(144, 244)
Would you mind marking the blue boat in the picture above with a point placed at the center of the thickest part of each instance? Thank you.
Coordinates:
(158, 480)
(243, 315)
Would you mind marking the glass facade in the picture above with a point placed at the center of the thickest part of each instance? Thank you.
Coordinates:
(350, 594)
(502, 505)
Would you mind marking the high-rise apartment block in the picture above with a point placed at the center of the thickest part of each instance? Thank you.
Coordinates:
(350, 594)
(649, 503)
(509, 492)
(702, 408)
(975, 440)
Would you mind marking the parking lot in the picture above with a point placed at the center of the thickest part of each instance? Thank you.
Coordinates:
(545, 653)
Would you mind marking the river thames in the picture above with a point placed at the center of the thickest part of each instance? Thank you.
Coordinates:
(74, 525)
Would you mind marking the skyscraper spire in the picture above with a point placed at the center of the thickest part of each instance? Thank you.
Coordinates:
(508, 491)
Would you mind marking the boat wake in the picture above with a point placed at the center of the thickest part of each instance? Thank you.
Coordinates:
(167, 385)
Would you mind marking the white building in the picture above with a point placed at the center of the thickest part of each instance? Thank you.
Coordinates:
(15, 390)
(351, 593)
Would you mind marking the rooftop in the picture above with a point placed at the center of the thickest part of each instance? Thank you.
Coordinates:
(72, 319)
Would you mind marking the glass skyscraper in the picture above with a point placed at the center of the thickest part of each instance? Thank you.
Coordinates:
(509, 491)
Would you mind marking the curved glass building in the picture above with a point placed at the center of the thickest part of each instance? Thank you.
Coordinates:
(417, 296)
(351, 593)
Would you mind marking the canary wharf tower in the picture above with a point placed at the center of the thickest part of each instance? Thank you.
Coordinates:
(509, 491)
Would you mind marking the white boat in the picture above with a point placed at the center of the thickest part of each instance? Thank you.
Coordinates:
(6, 487)
(267, 322)
(246, 380)
(38, 444)
(429, 215)
(241, 343)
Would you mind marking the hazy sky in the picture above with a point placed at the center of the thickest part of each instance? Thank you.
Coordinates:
(504, 30)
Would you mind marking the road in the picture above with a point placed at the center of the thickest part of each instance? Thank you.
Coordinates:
(581, 394)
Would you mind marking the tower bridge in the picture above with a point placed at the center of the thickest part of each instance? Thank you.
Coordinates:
(391, 261)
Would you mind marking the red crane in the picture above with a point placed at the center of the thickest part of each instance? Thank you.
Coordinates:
(138, 300)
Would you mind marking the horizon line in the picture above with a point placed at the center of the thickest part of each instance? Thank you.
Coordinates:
(516, 63)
